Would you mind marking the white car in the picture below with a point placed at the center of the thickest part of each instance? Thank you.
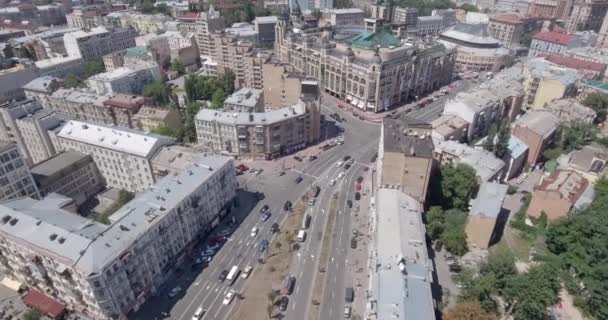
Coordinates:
(229, 297)
(199, 313)
(341, 175)
(246, 272)
(254, 231)
(332, 182)
(339, 164)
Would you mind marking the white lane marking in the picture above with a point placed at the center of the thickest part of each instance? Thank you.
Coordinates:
(293, 306)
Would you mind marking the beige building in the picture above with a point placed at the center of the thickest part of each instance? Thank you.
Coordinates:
(203, 24)
(107, 271)
(149, 118)
(70, 174)
(406, 156)
(16, 180)
(486, 217)
(245, 100)
(122, 155)
(173, 160)
(281, 84)
(342, 17)
(373, 72)
(556, 194)
(507, 29)
(546, 82)
(264, 135)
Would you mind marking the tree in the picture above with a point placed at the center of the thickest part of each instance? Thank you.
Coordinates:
(217, 99)
(501, 264)
(458, 186)
(530, 294)
(599, 103)
(178, 67)
(71, 81)
(552, 153)
(435, 220)
(94, 67)
(469, 8)
(147, 7)
(455, 240)
(32, 315)
(163, 8)
(470, 310)
(577, 134)
(160, 94)
(178, 133)
(478, 288)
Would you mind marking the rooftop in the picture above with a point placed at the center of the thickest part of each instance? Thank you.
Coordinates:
(344, 11)
(373, 40)
(568, 183)
(591, 158)
(132, 102)
(247, 97)
(577, 64)
(115, 74)
(555, 37)
(446, 125)
(253, 118)
(507, 18)
(516, 147)
(88, 245)
(119, 139)
(401, 135)
(153, 113)
(51, 62)
(80, 96)
(570, 110)
(401, 281)
(57, 164)
(543, 123)
(471, 33)
(485, 163)
(489, 200)
(41, 84)
(267, 19)
(84, 33)
(175, 158)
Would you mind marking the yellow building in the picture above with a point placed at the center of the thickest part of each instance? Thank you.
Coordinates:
(150, 118)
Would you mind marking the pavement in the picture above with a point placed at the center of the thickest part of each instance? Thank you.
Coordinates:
(201, 286)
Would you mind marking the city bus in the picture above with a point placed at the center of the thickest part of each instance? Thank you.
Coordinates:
(232, 275)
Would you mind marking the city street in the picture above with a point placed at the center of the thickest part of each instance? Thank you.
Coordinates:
(202, 287)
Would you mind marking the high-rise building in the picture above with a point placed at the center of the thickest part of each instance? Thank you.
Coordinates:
(16, 180)
(586, 15)
(203, 24)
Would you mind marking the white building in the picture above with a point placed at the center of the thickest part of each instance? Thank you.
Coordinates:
(97, 42)
(60, 67)
(124, 80)
(430, 25)
(16, 181)
(122, 155)
(107, 271)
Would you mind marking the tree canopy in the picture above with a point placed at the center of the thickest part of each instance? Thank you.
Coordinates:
(72, 81)
(497, 141)
(458, 186)
(449, 227)
(32, 315)
(159, 92)
(246, 13)
(147, 6)
(469, 7)
(576, 134)
(215, 89)
(94, 67)
(599, 103)
(470, 310)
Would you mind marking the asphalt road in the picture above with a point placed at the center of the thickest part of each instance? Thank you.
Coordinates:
(201, 287)
(434, 109)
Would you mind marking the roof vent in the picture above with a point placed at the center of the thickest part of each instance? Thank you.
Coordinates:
(14, 221)
(123, 228)
(168, 190)
(53, 236)
(85, 127)
(6, 219)
(61, 240)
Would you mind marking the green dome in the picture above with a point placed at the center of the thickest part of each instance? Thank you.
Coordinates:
(372, 40)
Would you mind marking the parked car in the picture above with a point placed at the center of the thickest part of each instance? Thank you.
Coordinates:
(311, 158)
(339, 164)
(254, 232)
(312, 202)
(298, 158)
(265, 216)
(346, 158)
(199, 313)
(283, 302)
(349, 203)
(264, 208)
(357, 196)
(224, 233)
(288, 285)
(174, 292)
(341, 175)
(332, 182)
(212, 247)
(347, 311)
(299, 179)
(353, 243)
(357, 208)
(347, 166)
(287, 206)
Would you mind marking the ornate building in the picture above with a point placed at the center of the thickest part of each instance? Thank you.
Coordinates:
(373, 71)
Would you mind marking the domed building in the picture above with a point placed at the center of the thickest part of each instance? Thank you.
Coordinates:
(476, 49)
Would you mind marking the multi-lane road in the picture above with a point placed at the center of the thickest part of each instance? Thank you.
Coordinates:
(202, 288)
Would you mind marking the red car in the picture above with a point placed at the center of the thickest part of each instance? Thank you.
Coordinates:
(358, 187)
(242, 168)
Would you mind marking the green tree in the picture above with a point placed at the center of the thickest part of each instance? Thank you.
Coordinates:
(500, 264)
(160, 94)
(458, 186)
(217, 99)
(178, 133)
(552, 153)
(469, 7)
(178, 67)
(189, 131)
(32, 315)
(577, 134)
(599, 103)
(435, 220)
(148, 7)
(478, 288)
(470, 310)
(71, 81)
(163, 8)
(94, 67)
(530, 294)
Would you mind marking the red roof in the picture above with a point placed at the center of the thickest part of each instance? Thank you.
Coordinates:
(508, 18)
(575, 63)
(188, 15)
(43, 303)
(555, 37)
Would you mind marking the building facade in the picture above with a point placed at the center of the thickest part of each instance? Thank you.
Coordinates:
(507, 29)
(264, 135)
(109, 271)
(16, 180)
(552, 42)
(124, 80)
(150, 118)
(122, 155)
(586, 15)
(374, 72)
(97, 42)
(538, 130)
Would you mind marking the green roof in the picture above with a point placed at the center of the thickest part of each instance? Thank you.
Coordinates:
(137, 52)
(372, 40)
(597, 84)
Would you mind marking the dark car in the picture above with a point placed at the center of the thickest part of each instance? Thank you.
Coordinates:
(438, 245)
(287, 205)
(347, 166)
(359, 179)
(288, 285)
(263, 245)
(373, 159)
(274, 228)
(346, 158)
(283, 302)
(223, 275)
(299, 179)
(264, 208)
(353, 243)
(311, 158)
(357, 196)
(298, 158)
(265, 216)
(349, 203)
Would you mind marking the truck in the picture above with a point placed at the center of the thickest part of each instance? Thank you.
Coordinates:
(232, 275)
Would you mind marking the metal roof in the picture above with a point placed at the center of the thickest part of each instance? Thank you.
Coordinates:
(489, 200)
(373, 40)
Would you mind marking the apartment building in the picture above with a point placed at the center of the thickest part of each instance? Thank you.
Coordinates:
(486, 165)
(85, 18)
(429, 25)
(203, 24)
(42, 87)
(124, 108)
(149, 118)
(374, 72)
(27, 124)
(80, 104)
(42, 44)
(342, 17)
(507, 29)
(550, 9)
(16, 180)
(122, 155)
(108, 271)
(142, 23)
(96, 42)
(245, 100)
(265, 135)
(281, 85)
(545, 82)
(173, 160)
(60, 67)
(586, 15)
(124, 80)
(12, 81)
(556, 194)
(538, 130)
(70, 174)
(483, 226)
(264, 28)
(553, 42)
(602, 37)
(230, 53)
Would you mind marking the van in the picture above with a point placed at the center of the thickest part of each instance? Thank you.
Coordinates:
(347, 312)
(306, 221)
(350, 294)
(301, 236)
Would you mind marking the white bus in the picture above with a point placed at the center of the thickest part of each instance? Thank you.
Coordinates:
(233, 275)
